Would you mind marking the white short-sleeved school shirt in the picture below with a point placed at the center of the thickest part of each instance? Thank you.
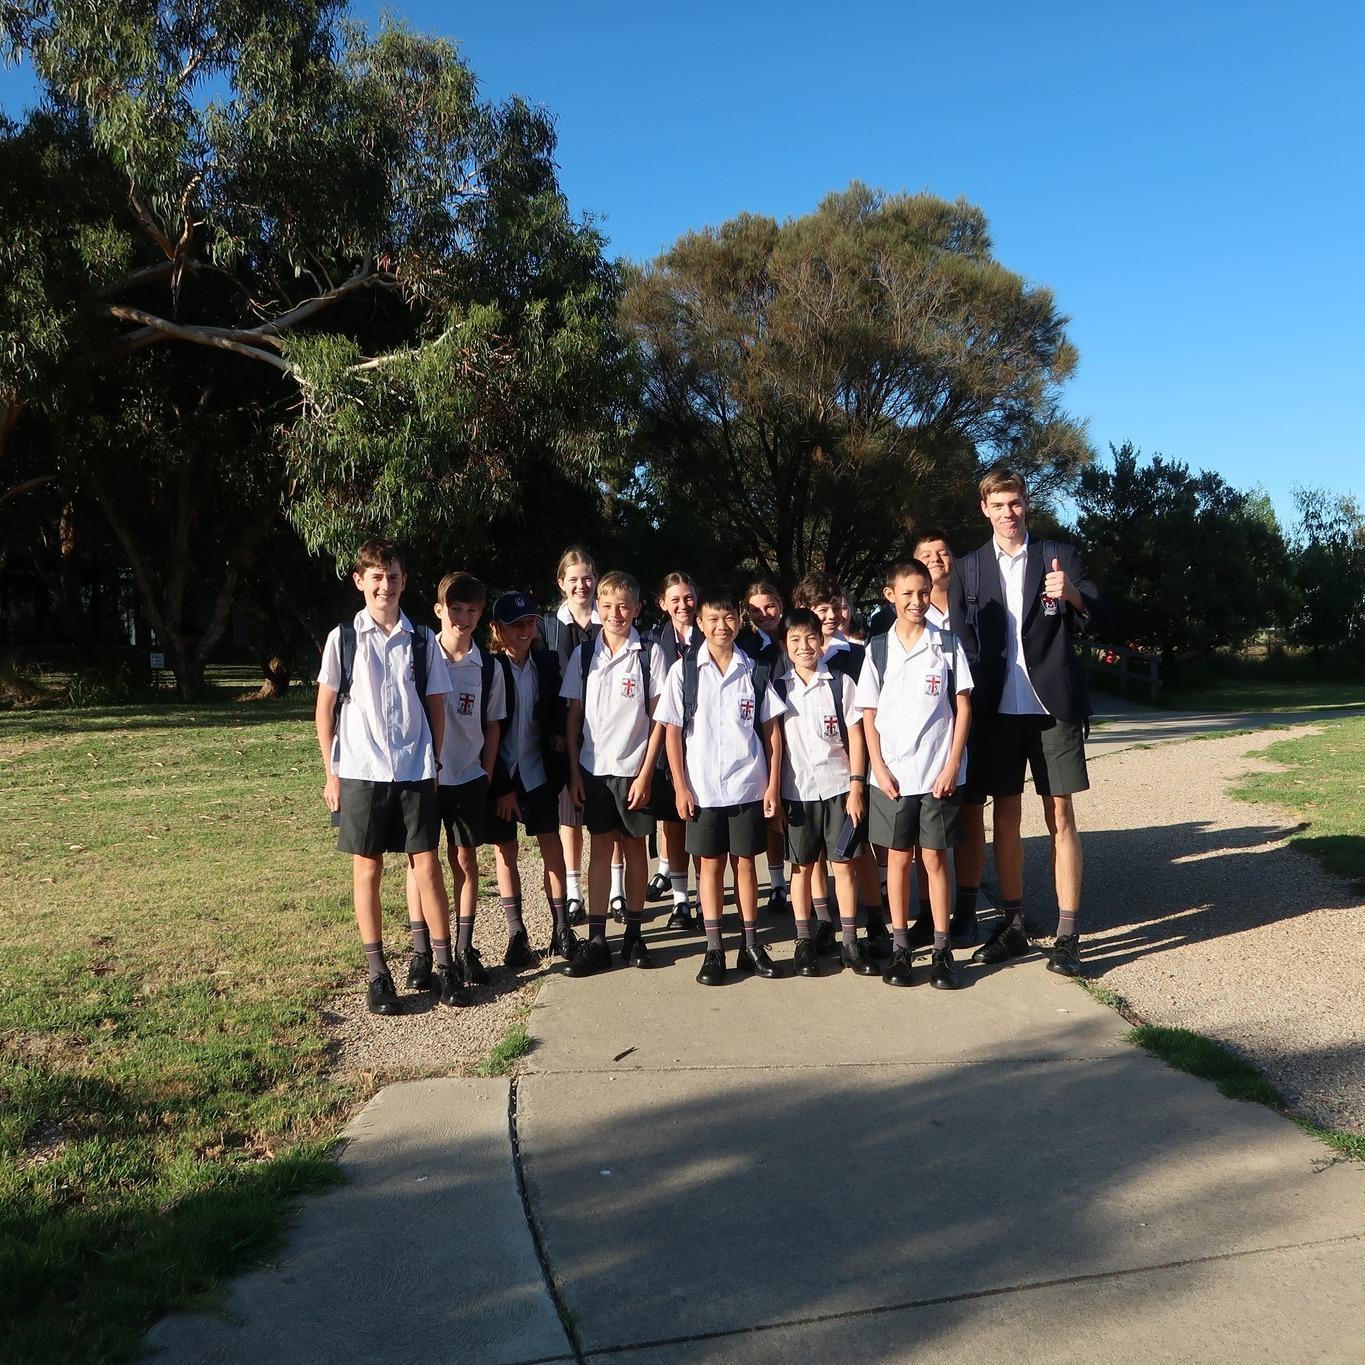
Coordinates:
(935, 617)
(814, 759)
(616, 722)
(915, 712)
(726, 763)
(520, 749)
(383, 735)
(466, 711)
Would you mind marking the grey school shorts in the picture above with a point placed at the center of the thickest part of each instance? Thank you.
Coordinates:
(1001, 747)
(464, 811)
(813, 829)
(605, 810)
(388, 817)
(927, 820)
(739, 830)
(539, 813)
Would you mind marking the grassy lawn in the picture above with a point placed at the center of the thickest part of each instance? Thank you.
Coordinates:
(1254, 694)
(171, 914)
(1325, 784)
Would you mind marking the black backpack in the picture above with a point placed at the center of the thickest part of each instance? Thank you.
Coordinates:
(877, 647)
(589, 647)
(420, 673)
(762, 674)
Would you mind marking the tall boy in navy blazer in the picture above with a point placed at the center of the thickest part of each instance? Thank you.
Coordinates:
(1016, 612)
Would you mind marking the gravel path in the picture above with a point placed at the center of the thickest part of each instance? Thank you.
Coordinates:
(428, 1039)
(1199, 915)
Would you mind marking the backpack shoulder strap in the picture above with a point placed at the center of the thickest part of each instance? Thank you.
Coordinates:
(420, 665)
(509, 688)
(585, 652)
(347, 641)
(485, 685)
(646, 649)
(973, 575)
(549, 628)
(689, 667)
(876, 646)
(762, 675)
(948, 643)
(836, 687)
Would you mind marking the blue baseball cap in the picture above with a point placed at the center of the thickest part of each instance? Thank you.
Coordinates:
(514, 606)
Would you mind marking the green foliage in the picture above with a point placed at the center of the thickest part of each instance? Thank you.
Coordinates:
(1190, 563)
(818, 385)
(502, 1056)
(279, 270)
(1329, 572)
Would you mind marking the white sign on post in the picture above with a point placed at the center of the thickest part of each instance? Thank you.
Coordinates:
(158, 661)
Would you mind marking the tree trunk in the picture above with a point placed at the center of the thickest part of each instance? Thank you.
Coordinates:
(276, 682)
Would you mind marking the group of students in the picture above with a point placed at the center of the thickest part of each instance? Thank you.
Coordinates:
(735, 729)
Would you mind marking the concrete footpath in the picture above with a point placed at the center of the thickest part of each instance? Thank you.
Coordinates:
(828, 1168)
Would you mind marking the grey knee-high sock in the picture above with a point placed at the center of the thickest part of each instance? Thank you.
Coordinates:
(559, 909)
(464, 933)
(848, 929)
(713, 940)
(821, 907)
(374, 958)
(511, 907)
(421, 941)
(1014, 913)
(440, 950)
(1066, 922)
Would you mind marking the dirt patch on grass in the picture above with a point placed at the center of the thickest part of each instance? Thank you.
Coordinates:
(428, 1039)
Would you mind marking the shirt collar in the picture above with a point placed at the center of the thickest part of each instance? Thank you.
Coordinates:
(737, 659)
(822, 675)
(1004, 557)
(565, 616)
(632, 643)
(365, 622)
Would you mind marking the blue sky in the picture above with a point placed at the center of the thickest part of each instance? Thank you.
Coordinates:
(1187, 177)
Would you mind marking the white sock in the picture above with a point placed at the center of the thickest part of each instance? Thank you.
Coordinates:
(777, 877)
(575, 891)
(618, 880)
(678, 881)
(662, 869)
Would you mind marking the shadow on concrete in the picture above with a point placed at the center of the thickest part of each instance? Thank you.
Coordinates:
(677, 1205)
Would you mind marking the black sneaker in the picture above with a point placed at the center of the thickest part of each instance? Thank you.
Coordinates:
(680, 918)
(1006, 941)
(898, 972)
(712, 968)
(943, 973)
(824, 938)
(851, 955)
(659, 886)
(1065, 957)
(519, 952)
(922, 930)
(804, 960)
(592, 957)
(383, 998)
(471, 967)
(616, 907)
(451, 987)
(574, 912)
(778, 904)
(634, 953)
(756, 962)
(963, 930)
(564, 944)
(419, 973)
(878, 939)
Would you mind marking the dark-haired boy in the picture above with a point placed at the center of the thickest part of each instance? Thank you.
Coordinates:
(820, 593)
(379, 728)
(611, 690)
(725, 753)
(823, 784)
(469, 748)
(914, 695)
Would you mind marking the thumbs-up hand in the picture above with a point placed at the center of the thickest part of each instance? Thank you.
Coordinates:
(1057, 584)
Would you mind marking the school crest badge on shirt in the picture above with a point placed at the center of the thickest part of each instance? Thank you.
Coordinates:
(466, 706)
(629, 687)
(933, 684)
(746, 710)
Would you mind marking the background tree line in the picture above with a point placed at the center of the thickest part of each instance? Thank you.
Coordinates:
(276, 283)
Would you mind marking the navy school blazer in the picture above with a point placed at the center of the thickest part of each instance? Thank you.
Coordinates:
(1057, 675)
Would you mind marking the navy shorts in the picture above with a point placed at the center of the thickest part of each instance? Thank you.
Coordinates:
(388, 817)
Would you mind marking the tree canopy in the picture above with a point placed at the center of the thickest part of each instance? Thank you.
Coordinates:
(821, 384)
(270, 264)
(1190, 563)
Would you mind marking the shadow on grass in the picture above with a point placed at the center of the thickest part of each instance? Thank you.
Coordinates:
(1342, 854)
(173, 716)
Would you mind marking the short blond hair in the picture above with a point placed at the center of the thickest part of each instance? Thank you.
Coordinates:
(1003, 479)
